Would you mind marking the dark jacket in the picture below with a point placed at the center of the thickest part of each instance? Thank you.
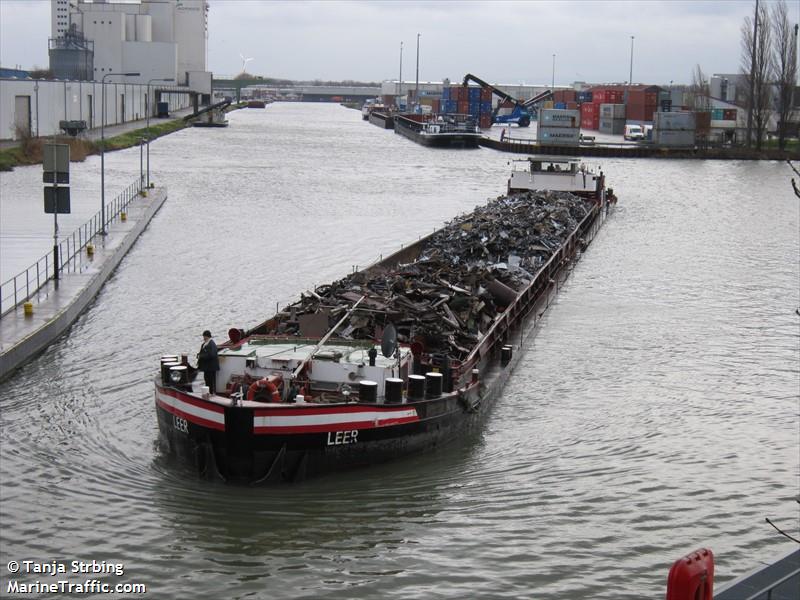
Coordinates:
(207, 359)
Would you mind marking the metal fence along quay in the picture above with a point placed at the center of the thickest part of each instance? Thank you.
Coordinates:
(23, 287)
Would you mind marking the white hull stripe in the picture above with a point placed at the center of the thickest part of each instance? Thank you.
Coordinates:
(329, 422)
(196, 414)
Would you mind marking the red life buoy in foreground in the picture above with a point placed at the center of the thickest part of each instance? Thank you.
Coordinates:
(692, 577)
(267, 386)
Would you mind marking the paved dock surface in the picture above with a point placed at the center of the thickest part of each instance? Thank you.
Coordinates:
(783, 574)
(58, 304)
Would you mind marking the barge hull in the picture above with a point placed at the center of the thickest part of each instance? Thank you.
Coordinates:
(223, 440)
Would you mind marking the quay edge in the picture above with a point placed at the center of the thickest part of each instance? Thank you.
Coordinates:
(637, 151)
(23, 337)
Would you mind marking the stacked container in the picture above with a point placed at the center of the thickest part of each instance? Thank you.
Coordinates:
(643, 102)
(473, 101)
(674, 129)
(612, 119)
(590, 115)
(559, 126)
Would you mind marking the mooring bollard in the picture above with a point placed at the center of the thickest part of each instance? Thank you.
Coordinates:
(28, 308)
(123, 216)
(90, 249)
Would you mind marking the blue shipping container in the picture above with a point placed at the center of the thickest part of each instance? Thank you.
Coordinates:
(486, 106)
(584, 97)
(474, 94)
(446, 93)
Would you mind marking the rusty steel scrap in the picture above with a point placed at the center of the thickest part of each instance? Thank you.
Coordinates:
(465, 274)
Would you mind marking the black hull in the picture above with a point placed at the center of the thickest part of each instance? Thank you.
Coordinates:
(238, 454)
(407, 128)
(382, 120)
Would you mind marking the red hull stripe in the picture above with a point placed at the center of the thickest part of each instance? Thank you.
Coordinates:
(331, 421)
(205, 417)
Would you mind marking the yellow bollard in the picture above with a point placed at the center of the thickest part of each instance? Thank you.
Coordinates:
(123, 216)
(90, 249)
(143, 193)
(28, 308)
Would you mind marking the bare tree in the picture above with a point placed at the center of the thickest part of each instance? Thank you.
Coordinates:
(699, 91)
(784, 65)
(794, 183)
(756, 66)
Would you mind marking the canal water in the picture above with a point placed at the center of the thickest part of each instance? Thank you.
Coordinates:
(654, 412)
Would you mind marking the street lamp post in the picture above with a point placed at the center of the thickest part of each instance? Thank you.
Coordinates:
(553, 82)
(103, 147)
(147, 112)
(416, 87)
(630, 76)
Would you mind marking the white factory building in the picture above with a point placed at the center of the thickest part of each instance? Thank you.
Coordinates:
(164, 39)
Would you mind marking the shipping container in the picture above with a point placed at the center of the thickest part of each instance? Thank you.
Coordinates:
(559, 105)
(589, 124)
(548, 104)
(674, 121)
(474, 94)
(612, 111)
(559, 118)
(673, 137)
(572, 106)
(437, 105)
(446, 93)
(639, 112)
(612, 126)
(463, 107)
(702, 121)
(486, 95)
(584, 97)
(485, 121)
(486, 106)
(558, 135)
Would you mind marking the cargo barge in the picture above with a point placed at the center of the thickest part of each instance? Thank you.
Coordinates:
(443, 131)
(381, 119)
(415, 350)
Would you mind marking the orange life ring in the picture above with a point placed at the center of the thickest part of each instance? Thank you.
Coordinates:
(270, 384)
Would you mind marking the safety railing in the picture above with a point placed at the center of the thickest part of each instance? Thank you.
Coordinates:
(23, 287)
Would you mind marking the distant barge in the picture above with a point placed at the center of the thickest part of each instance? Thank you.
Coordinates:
(449, 131)
(381, 119)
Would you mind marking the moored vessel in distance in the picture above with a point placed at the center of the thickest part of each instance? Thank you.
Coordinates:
(256, 104)
(440, 131)
(397, 358)
(371, 105)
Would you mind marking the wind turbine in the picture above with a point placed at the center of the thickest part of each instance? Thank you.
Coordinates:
(244, 62)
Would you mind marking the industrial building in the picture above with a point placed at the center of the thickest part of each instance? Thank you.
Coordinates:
(159, 39)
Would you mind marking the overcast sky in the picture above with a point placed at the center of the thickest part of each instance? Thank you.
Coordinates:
(504, 42)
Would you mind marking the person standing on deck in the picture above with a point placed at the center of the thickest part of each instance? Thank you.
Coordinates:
(208, 361)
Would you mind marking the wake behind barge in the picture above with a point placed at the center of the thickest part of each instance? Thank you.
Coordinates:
(415, 350)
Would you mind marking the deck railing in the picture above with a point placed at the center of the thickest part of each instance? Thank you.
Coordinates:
(23, 287)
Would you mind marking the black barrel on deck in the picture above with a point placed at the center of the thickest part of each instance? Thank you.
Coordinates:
(416, 387)
(505, 355)
(433, 385)
(394, 390)
(367, 391)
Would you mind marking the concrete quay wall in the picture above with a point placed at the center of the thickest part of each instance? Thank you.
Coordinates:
(23, 337)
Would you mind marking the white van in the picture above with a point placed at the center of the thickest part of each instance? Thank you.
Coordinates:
(634, 132)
